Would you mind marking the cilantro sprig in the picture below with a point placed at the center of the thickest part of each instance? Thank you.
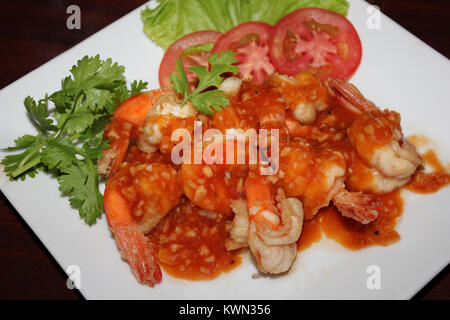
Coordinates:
(202, 99)
(69, 138)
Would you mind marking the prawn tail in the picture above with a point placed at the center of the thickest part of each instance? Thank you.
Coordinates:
(350, 97)
(119, 133)
(358, 206)
(136, 250)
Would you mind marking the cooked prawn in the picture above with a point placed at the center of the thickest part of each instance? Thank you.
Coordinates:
(304, 94)
(119, 130)
(273, 229)
(312, 174)
(361, 207)
(296, 129)
(364, 178)
(236, 115)
(377, 138)
(155, 133)
(378, 141)
(239, 226)
(214, 186)
(326, 154)
(231, 86)
(350, 97)
(136, 198)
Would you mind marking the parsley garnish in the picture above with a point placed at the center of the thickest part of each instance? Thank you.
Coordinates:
(70, 136)
(202, 99)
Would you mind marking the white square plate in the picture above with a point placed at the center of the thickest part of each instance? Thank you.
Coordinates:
(397, 71)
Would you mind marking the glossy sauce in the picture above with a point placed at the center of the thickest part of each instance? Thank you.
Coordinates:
(189, 244)
(354, 235)
(213, 186)
(311, 233)
(166, 123)
(137, 157)
(374, 129)
(351, 234)
(147, 186)
(329, 130)
(429, 182)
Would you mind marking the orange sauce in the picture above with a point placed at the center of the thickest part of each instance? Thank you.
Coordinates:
(353, 235)
(378, 125)
(311, 233)
(429, 182)
(135, 157)
(189, 244)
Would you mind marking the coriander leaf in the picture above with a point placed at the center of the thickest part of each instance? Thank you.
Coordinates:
(203, 100)
(22, 164)
(59, 153)
(96, 100)
(80, 183)
(62, 99)
(179, 79)
(77, 122)
(123, 93)
(91, 72)
(94, 149)
(219, 65)
(84, 105)
(215, 99)
(95, 132)
(38, 113)
(137, 87)
(93, 142)
(22, 142)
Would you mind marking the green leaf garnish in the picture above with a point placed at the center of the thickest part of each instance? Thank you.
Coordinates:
(204, 100)
(70, 138)
(169, 20)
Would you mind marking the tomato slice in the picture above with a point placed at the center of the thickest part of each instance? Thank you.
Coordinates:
(250, 43)
(193, 49)
(315, 37)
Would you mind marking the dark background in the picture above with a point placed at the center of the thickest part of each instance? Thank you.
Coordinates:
(32, 32)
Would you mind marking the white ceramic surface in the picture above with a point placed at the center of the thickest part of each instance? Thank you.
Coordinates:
(397, 71)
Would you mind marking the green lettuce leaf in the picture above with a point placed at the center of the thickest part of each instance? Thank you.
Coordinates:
(172, 19)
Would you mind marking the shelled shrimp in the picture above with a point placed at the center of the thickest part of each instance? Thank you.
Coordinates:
(379, 142)
(361, 207)
(275, 224)
(311, 174)
(214, 186)
(136, 199)
(137, 194)
(336, 150)
(384, 159)
(304, 94)
(155, 132)
(128, 116)
(316, 176)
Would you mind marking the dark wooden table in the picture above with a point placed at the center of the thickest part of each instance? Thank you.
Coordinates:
(33, 32)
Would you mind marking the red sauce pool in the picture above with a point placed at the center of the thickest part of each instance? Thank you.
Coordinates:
(354, 235)
(190, 244)
(429, 182)
(351, 234)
